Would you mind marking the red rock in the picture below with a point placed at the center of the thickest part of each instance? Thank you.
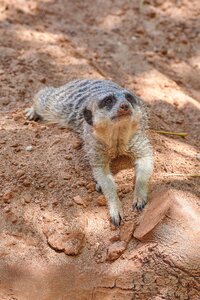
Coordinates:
(70, 243)
(27, 198)
(78, 200)
(51, 184)
(20, 173)
(101, 201)
(68, 157)
(115, 238)
(7, 196)
(156, 210)
(126, 231)
(115, 250)
(77, 145)
(91, 187)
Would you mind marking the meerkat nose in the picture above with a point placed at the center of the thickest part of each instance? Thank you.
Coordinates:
(124, 107)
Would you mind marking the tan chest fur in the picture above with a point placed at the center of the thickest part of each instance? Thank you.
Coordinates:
(116, 136)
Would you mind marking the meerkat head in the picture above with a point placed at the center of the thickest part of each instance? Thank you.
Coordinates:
(112, 108)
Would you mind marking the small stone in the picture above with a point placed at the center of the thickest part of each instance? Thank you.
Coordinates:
(150, 59)
(27, 199)
(20, 173)
(7, 196)
(101, 201)
(55, 203)
(115, 250)
(5, 101)
(184, 40)
(91, 187)
(170, 53)
(26, 183)
(51, 185)
(13, 219)
(7, 209)
(67, 176)
(29, 148)
(126, 231)
(70, 243)
(77, 145)
(17, 117)
(68, 157)
(78, 200)
(140, 30)
(115, 238)
(81, 182)
(43, 80)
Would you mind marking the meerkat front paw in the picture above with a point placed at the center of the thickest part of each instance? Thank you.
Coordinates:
(140, 201)
(31, 114)
(116, 214)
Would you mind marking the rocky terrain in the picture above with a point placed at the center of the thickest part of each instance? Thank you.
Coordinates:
(56, 240)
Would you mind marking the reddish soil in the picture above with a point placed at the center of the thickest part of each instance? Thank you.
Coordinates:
(56, 238)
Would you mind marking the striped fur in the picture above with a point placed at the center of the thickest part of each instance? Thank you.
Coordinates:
(80, 105)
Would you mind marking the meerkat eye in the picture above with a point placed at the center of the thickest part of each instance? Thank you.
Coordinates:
(130, 98)
(107, 102)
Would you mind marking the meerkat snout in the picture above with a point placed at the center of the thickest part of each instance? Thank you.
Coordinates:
(124, 107)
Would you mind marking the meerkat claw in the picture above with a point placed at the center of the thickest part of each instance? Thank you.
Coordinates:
(139, 206)
(98, 188)
(116, 221)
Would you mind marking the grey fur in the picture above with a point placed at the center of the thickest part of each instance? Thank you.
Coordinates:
(96, 109)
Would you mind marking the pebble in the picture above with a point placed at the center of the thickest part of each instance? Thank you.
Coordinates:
(20, 173)
(126, 231)
(170, 53)
(91, 187)
(81, 182)
(27, 198)
(68, 157)
(140, 30)
(115, 250)
(70, 243)
(43, 80)
(67, 176)
(29, 148)
(7, 196)
(78, 200)
(101, 201)
(77, 145)
(115, 238)
(51, 184)
(26, 183)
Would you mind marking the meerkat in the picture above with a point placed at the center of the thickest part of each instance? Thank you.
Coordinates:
(112, 121)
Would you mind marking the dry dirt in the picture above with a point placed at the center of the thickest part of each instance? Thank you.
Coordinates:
(56, 241)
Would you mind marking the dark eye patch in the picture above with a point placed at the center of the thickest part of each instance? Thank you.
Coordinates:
(87, 114)
(131, 99)
(108, 102)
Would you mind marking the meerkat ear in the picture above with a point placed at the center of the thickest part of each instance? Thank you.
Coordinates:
(87, 113)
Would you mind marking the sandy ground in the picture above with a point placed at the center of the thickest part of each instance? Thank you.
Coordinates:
(56, 241)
